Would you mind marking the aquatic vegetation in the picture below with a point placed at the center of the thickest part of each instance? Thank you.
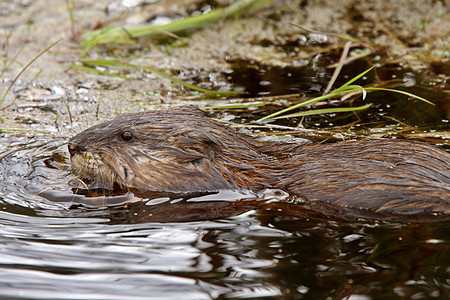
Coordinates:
(91, 66)
(345, 89)
(128, 34)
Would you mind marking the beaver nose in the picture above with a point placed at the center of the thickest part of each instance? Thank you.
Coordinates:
(74, 149)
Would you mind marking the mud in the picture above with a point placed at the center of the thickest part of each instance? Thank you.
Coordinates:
(405, 32)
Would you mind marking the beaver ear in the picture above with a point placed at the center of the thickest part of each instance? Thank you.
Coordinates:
(194, 145)
(195, 138)
(189, 109)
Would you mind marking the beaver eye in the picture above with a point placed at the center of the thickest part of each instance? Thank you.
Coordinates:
(127, 135)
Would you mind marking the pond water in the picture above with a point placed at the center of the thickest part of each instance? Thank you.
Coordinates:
(57, 245)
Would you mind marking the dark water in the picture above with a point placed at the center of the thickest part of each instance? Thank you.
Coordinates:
(54, 245)
(388, 109)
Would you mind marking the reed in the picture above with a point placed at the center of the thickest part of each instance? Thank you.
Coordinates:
(128, 34)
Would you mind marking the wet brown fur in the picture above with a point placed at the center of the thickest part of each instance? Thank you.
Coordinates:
(183, 150)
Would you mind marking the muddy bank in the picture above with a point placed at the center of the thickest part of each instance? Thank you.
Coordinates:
(405, 34)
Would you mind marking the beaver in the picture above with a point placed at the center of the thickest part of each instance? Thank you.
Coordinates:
(183, 150)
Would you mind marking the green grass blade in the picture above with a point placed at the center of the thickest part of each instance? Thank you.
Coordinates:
(355, 78)
(126, 34)
(400, 92)
(311, 101)
(109, 63)
(335, 93)
(94, 70)
(188, 85)
(351, 89)
(238, 105)
(325, 111)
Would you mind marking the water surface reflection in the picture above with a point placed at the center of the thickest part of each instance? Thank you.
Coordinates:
(226, 245)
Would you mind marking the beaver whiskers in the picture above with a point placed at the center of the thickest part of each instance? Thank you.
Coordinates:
(96, 170)
(182, 150)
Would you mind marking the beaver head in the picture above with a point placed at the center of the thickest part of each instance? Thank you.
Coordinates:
(172, 150)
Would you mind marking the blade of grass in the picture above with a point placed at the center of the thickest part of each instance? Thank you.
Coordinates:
(339, 66)
(103, 63)
(94, 70)
(66, 104)
(355, 78)
(265, 126)
(237, 105)
(339, 92)
(24, 68)
(400, 92)
(188, 85)
(98, 103)
(3, 130)
(70, 6)
(334, 93)
(6, 52)
(352, 89)
(126, 35)
(325, 111)
(12, 60)
(108, 63)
